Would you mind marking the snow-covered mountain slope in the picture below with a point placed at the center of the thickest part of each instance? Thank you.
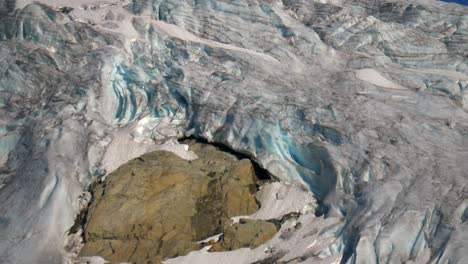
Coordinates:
(364, 102)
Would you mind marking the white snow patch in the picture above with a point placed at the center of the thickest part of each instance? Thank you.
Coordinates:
(48, 191)
(134, 141)
(215, 238)
(450, 74)
(278, 199)
(311, 245)
(374, 77)
(180, 33)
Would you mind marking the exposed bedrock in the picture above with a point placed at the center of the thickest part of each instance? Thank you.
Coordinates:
(159, 206)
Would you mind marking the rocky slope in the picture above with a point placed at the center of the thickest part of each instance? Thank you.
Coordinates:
(362, 102)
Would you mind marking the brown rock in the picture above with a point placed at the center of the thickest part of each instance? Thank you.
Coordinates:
(246, 233)
(159, 205)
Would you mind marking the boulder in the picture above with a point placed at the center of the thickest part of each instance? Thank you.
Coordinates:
(158, 206)
(246, 233)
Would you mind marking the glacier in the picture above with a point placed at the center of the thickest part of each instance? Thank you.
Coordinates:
(362, 102)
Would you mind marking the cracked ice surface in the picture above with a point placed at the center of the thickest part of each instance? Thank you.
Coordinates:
(306, 88)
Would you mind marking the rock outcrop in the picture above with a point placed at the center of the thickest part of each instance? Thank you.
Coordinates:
(245, 233)
(159, 205)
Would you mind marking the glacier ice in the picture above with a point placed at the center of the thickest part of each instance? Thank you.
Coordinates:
(363, 102)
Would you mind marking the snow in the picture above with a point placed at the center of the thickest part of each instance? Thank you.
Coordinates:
(278, 199)
(8, 140)
(182, 34)
(374, 77)
(451, 74)
(215, 238)
(136, 141)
